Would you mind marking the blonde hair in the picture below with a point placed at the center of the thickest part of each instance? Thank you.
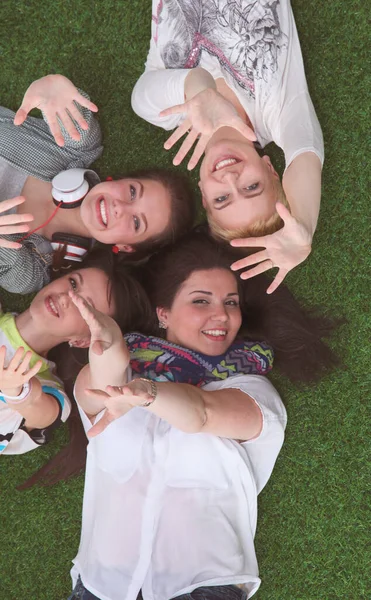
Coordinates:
(257, 229)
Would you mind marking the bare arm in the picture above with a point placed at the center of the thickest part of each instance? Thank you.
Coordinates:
(302, 186)
(227, 413)
(108, 357)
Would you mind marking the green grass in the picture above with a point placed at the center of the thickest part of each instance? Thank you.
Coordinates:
(314, 518)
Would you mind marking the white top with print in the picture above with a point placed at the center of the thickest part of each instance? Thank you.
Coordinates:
(253, 46)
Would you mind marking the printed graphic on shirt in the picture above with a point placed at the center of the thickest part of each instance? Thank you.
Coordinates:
(245, 36)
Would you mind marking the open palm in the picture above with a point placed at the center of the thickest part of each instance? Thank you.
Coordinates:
(284, 249)
(205, 113)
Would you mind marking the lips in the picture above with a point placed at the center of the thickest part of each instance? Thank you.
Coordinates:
(216, 335)
(51, 306)
(226, 161)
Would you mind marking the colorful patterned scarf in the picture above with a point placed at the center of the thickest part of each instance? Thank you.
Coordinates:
(160, 360)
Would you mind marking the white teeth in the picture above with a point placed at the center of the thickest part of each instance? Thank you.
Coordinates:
(53, 307)
(225, 163)
(215, 332)
(103, 212)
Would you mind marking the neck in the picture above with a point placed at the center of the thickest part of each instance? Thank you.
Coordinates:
(40, 342)
(67, 221)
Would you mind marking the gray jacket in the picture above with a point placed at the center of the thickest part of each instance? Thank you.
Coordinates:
(31, 149)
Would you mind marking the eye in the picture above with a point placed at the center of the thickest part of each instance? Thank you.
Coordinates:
(232, 303)
(221, 199)
(133, 192)
(200, 301)
(136, 223)
(73, 283)
(252, 187)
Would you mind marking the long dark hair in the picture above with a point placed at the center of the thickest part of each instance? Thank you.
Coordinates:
(182, 211)
(295, 333)
(133, 311)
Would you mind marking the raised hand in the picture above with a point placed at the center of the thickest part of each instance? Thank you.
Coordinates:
(103, 329)
(205, 113)
(56, 96)
(118, 401)
(13, 223)
(284, 249)
(18, 371)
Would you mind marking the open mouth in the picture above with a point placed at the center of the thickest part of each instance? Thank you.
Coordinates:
(102, 212)
(222, 163)
(51, 306)
(216, 335)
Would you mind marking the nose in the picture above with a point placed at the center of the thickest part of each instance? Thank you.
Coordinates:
(64, 299)
(220, 313)
(231, 178)
(120, 208)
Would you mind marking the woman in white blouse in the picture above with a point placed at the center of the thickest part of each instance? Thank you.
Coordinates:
(225, 75)
(170, 502)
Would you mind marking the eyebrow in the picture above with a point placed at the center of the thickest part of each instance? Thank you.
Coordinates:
(210, 293)
(144, 219)
(81, 282)
(224, 205)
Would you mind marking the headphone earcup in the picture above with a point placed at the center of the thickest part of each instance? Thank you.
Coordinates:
(76, 246)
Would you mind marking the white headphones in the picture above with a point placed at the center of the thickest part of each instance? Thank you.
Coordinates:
(70, 187)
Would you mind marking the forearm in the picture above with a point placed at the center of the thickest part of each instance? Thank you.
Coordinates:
(37, 408)
(228, 413)
(181, 405)
(302, 186)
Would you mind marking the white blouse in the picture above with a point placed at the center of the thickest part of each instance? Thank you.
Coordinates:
(166, 511)
(253, 46)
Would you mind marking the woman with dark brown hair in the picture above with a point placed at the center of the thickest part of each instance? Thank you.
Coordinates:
(44, 171)
(173, 469)
(32, 400)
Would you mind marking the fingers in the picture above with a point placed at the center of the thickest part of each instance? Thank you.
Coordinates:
(243, 263)
(55, 130)
(20, 116)
(252, 242)
(177, 134)
(7, 204)
(185, 147)
(2, 357)
(264, 266)
(174, 110)
(86, 103)
(15, 219)
(76, 114)
(87, 312)
(277, 281)
(8, 244)
(246, 131)
(97, 394)
(101, 425)
(283, 212)
(198, 151)
(69, 125)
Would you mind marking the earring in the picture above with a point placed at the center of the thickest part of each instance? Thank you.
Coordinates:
(115, 249)
(71, 344)
(162, 325)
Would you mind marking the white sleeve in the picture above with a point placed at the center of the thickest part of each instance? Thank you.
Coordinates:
(289, 113)
(158, 88)
(262, 451)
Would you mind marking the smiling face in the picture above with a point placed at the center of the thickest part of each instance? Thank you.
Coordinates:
(55, 315)
(126, 212)
(238, 187)
(205, 315)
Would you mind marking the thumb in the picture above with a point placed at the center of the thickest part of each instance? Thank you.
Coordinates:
(283, 212)
(99, 347)
(101, 425)
(21, 115)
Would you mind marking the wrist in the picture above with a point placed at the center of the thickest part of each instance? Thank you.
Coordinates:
(151, 389)
(197, 81)
(18, 394)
